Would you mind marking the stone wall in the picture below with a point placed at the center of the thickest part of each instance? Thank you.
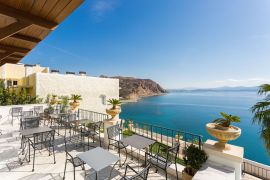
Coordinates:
(92, 89)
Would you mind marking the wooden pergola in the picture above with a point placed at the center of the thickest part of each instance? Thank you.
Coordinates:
(24, 23)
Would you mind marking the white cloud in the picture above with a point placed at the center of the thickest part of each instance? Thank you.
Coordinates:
(100, 7)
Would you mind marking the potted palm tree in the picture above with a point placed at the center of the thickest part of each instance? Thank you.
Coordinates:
(75, 101)
(222, 129)
(261, 111)
(54, 99)
(194, 158)
(115, 109)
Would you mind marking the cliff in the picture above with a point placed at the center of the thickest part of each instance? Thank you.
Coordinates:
(134, 88)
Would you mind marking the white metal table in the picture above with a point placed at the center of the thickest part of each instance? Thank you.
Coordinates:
(138, 142)
(99, 158)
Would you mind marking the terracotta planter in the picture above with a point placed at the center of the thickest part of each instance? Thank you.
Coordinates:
(54, 100)
(186, 176)
(113, 112)
(74, 105)
(223, 134)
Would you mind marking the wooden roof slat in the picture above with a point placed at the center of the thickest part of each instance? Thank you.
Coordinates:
(14, 49)
(26, 17)
(26, 38)
(24, 23)
(6, 54)
(12, 29)
(68, 9)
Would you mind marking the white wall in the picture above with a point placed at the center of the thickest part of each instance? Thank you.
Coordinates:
(90, 88)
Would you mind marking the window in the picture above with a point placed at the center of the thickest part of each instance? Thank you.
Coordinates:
(103, 99)
(15, 83)
(9, 83)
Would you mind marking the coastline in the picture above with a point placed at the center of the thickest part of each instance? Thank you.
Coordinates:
(134, 100)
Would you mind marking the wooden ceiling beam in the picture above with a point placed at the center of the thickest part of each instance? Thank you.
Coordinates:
(26, 38)
(16, 56)
(26, 17)
(4, 61)
(4, 55)
(12, 29)
(14, 49)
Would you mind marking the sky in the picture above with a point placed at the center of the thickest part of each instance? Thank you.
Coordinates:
(177, 43)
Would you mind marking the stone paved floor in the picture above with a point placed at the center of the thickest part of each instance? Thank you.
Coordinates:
(45, 169)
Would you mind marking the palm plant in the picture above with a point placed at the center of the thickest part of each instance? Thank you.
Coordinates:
(261, 111)
(226, 120)
(76, 97)
(114, 103)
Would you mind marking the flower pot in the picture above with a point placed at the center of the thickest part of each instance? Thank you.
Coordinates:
(74, 105)
(113, 112)
(223, 134)
(186, 176)
(54, 100)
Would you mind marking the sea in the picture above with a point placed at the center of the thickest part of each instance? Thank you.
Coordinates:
(190, 111)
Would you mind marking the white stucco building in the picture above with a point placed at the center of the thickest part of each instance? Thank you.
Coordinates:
(37, 80)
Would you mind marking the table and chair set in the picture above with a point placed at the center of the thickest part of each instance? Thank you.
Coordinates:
(36, 135)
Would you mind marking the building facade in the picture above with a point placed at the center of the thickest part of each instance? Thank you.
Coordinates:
(38, 81)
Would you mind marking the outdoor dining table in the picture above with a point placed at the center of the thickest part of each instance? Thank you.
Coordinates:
(28, 133)
(138, 142)
(98, 159)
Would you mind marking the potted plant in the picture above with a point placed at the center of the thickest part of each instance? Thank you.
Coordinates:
(54, 99)
(64, 104)
(115, 109)
(222, 129)
(194, 158)
(75, 101)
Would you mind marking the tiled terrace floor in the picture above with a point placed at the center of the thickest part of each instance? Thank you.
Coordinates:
(44, 167)
(46, 170)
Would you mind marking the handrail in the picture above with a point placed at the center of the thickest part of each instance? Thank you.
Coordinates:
(165, 135)
(255, 169)
(94, 116)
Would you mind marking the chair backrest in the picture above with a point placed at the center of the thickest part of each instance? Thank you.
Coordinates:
(71, 145)
(46, 138)
(72, 117)
(172, 153)
(142, 175)
(30, 122)
(27, 113)
(38, 110)
(16, 111)
(114, 132)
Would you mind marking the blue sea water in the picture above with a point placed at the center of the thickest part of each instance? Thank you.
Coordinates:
(190, 111)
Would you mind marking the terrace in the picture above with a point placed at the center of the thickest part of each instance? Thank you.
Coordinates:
(15, 164)
(30, 131)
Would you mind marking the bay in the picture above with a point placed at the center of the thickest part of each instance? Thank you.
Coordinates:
(190, 111)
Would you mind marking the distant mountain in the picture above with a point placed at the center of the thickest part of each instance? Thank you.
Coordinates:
(225, 88)
(133, 88)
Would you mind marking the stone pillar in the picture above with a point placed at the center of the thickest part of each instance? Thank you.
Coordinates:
(108, 123)
(232, 157)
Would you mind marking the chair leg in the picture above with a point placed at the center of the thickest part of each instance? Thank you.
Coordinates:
(28, 152)
(99, 140)
(65, 169)
(176, 171)
(54, 156)
(34, 160)
(74, 172)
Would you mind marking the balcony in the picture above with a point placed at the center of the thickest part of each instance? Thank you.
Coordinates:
(15, 165)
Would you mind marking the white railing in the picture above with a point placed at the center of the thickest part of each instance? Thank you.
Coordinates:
(256, 169)
(5, 112)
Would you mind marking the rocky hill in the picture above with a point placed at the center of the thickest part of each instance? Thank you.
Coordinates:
(133, 88)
